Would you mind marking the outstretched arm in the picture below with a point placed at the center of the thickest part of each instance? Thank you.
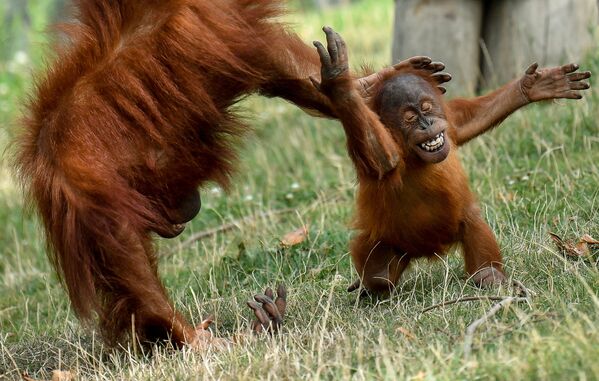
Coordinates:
(294, 62)
(473, 117)
(370, 146)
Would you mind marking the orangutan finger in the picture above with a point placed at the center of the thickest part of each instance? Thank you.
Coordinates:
(261, 315)
(354, 286)
(281, 300)
(268, 292)
(579, 76)
(269, 306)
(532, 68)
(206, 322)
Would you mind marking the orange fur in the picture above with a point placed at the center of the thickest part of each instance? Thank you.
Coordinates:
(418, 209)
(424, 205)
(131, 117)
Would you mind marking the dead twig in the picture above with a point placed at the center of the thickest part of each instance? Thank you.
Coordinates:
(477, 323)
(518, 286)
(464, 299)
(523, 296)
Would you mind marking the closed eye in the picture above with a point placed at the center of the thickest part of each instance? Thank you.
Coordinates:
(426, 106)
(409, 116)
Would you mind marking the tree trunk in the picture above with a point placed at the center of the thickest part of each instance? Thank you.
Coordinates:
(550, 32)
(445, 30)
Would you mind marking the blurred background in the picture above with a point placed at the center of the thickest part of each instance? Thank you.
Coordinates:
(482, 42)
(487, 43)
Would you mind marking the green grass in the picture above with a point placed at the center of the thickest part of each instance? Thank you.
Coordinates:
(538, 172)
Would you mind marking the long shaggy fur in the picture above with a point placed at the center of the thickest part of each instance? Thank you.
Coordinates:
(134, 113)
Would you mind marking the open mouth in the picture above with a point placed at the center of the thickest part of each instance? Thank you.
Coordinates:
(435, 144)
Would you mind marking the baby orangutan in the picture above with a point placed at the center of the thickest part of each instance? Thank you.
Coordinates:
(423, 205)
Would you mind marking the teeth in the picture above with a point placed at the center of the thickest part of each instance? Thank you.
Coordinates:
(434, 144)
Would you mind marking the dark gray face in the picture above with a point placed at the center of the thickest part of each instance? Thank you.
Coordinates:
(411, 109)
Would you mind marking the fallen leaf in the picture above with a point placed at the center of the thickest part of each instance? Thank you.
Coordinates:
(588, 239)
(565, 247)
(57, 375)
(406, 333)
(583, 244)
(62, 375)
(580, 249)
(295, 237)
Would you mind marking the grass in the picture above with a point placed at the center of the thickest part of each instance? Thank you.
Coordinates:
(537, 173)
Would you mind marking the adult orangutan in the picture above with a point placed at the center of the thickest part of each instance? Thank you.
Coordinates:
(134, 115)
(424, 205)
